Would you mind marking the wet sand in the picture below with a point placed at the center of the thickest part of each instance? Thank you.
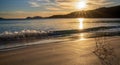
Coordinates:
(77, 52)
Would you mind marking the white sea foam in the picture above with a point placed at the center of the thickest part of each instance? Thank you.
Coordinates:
(23, 32)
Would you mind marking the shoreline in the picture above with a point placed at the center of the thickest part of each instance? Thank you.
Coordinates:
(63, 53)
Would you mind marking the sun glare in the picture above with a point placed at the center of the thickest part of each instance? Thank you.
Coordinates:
(81, 21)
(81, 5)
(81, 26)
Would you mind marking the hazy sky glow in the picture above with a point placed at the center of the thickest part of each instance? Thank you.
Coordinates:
(24, 8)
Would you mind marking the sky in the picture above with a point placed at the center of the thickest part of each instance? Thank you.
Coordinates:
(45, 8)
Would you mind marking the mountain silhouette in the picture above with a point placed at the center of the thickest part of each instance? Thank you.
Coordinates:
(35, 17)
(104, 12)
(1, 18)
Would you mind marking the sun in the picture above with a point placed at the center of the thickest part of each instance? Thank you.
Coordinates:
(81, 5)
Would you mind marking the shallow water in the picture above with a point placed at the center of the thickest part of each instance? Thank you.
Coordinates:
(55, 24)
(14, 32)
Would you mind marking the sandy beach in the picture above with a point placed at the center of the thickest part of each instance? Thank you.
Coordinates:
(59, 32)
(74, 52)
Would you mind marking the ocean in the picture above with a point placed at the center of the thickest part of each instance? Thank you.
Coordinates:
(18, 33)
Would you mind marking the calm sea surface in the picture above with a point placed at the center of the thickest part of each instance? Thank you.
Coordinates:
(55, 24)
(15, 32)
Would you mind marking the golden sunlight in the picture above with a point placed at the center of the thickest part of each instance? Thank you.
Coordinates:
(81, 20)
(82, 36)
(81, 5)
(81, 26)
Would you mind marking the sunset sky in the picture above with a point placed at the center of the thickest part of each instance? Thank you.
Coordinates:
(24, 8)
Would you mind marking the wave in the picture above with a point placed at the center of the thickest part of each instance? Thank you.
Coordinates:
(21, 39)
(34, 34)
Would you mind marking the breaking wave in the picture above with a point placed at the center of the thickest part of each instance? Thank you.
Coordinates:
(14, 40)
(36, 34)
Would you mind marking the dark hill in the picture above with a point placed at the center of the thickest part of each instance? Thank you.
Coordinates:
(104, 12)
(1, 18)
(35, 17)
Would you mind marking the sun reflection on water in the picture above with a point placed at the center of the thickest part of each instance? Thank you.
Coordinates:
(81, 26)
(81, 22)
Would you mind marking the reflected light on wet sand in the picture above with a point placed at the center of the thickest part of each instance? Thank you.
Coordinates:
(82, 36)
(81, 26)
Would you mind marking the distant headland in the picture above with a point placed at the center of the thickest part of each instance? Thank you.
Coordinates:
(104, 12)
